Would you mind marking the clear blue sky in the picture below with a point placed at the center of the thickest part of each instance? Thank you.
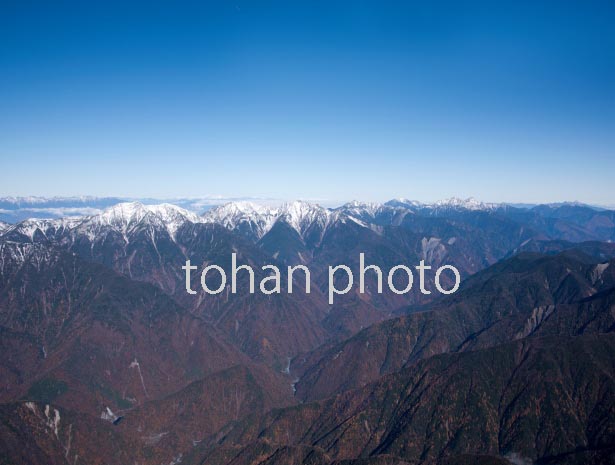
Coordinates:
(504, 101)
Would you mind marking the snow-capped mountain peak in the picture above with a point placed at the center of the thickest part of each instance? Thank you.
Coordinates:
(243, 215)
(361, 208)
(237, 210)
(127, 215)
(256, 220)
(402, 202)
(121, 214)
(463, 204)
(122, 218)
(32, 228)
(301, 215)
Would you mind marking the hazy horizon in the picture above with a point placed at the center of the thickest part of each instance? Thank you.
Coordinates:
(213, 200)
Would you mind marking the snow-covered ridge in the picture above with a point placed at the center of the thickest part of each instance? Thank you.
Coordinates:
(464, 204)
(404, 203)
(16, 209)
(453, 203)
(35, 227)
(258, 219)
(250, 218)
(362, 208)
(303, 215)
(122, 218)
(231, 215)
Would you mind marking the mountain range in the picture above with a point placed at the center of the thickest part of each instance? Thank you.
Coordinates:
(107, 358)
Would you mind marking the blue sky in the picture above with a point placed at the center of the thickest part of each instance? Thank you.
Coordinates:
(504, 101)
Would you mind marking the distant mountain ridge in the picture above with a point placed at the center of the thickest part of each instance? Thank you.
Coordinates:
(14, 209)
(256, 220)
(18, 208)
